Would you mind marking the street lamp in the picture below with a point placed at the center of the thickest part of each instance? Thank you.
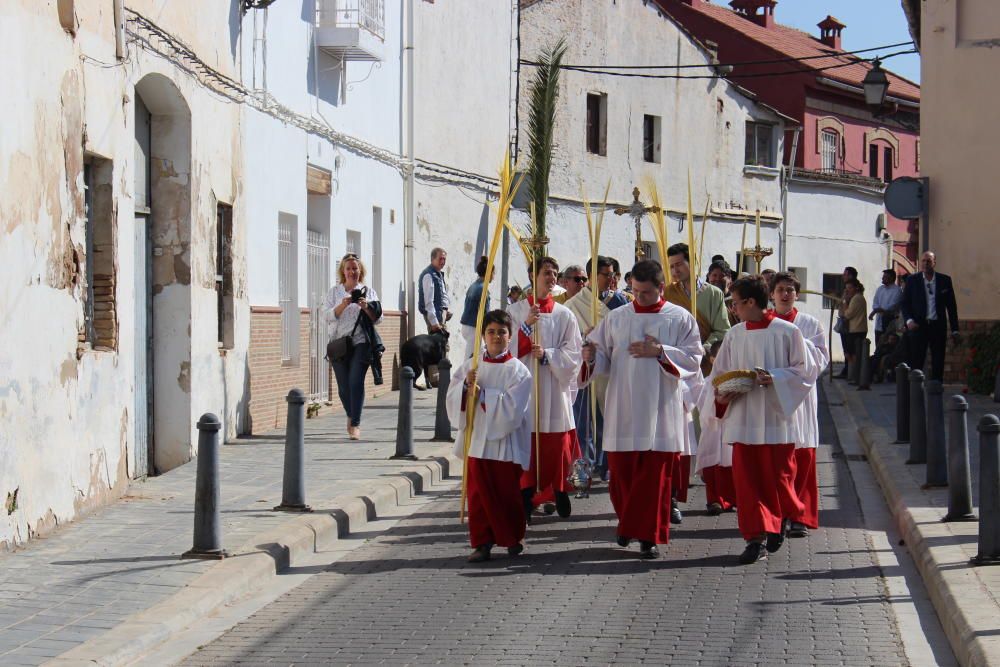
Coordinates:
(876, 85)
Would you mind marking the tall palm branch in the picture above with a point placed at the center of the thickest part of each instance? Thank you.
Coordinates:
(543, 92)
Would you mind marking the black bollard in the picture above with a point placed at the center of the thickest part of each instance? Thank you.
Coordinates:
(989, 491)
(207, 524)
(918, 419)
(937, 448)
(442, 425)
(293, 483)
(865, 365)
(404, 420)
(902, 403)
(959, 481)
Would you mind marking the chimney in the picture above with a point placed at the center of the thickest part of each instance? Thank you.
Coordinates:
(760, 12)
(829, 32)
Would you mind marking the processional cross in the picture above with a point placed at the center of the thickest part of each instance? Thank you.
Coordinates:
(758, 252)
(637, 212)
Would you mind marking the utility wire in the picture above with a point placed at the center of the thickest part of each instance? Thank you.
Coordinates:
(734, 64)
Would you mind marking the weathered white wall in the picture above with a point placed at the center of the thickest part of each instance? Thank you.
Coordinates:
(831, 226)
(702, 130)
(67, 422)
(463, 85)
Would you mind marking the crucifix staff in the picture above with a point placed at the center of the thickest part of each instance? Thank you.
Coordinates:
(637, 212)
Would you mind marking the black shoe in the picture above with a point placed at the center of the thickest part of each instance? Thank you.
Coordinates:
(714, 509)
(648, 551)
(548, 508)
(515, 550)
(623, 541)
(798, 530)
(676, 517)
(563, 506)
(526, 496)
(754, 552)
(775, 540)
(480, 555)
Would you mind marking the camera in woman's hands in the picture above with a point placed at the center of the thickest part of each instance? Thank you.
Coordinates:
(358, 294)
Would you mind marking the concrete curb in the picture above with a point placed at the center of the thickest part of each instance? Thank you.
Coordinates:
(260, 558)
(965, 607)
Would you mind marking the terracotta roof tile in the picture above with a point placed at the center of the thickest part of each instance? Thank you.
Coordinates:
(794, 43)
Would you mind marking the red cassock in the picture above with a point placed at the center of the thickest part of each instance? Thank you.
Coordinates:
(640, 493)
(558, 450)
(682, 479)
(806, 487)
(764, 476)
(495, 512)
(719, 486)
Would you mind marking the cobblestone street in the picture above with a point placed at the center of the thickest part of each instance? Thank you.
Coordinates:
(574, 597)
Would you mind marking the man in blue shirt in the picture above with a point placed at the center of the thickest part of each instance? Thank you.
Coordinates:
(471, 310)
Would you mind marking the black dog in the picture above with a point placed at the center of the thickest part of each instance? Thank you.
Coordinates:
(422, 351)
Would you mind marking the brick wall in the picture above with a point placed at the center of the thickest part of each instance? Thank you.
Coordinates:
(270, 381)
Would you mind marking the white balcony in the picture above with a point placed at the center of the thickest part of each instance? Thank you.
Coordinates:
(351, 29)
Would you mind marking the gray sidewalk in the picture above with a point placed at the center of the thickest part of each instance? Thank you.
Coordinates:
(94, 574)
(965, 597)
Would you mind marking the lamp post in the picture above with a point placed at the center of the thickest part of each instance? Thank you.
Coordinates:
(876, 85)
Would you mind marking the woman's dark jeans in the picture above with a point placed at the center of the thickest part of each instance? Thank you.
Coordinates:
(350, 374)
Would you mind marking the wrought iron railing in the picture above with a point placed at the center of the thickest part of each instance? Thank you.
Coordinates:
(366, 14)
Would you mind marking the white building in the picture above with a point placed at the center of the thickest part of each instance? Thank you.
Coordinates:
(125, 315)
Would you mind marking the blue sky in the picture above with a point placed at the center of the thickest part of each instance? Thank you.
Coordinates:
(869, 23)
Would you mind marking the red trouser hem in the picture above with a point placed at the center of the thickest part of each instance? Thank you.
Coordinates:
(558, 451)
(496, 515)
(681, 481)
(719, 486)
(806, 487)
(764, 476)
(640, 493)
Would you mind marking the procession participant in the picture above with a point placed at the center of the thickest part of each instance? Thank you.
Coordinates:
(715, 458)
(499, 449)
(471, 309)
(713, 323)
(759, 424)
(784, 291)
(557, 352)
(650, 349)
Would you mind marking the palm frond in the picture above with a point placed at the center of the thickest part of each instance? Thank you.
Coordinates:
(543, 94)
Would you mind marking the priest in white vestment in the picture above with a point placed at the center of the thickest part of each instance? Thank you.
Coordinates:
(651, 350)
(759, 424)
(547, 332)
(784, 292)
(500, 444)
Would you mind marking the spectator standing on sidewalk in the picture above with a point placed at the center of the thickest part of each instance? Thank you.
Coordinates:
(885, 305)
(347, 303)
(850, 273)
(930, 311)
(853, 309)
(433, 299)
(471, 310)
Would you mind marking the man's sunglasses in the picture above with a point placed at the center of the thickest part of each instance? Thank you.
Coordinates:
(579, 279)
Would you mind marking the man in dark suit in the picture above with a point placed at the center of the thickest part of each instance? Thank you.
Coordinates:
(930, 312)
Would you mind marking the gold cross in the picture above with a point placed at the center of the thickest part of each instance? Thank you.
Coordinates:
(637, 212)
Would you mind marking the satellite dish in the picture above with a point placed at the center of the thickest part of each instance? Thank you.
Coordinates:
(906, 197)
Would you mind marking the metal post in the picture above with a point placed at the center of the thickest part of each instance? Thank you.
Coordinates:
(293, 484)
(937, 448)
(918, 419)
(864, 365)
(404, 420)
(902, 403)
(207, 524)
(959, 481)
(442, 425)
(989, 491)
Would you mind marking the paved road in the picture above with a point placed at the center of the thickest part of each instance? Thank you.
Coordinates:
(409, 597)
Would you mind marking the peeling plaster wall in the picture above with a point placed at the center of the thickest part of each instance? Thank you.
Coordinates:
(67, 418)
(702, 129)
(463, 104)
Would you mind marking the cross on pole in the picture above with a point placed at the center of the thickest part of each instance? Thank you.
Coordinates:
(637, 212)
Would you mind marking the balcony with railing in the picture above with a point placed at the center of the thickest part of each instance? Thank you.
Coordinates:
(351, 29)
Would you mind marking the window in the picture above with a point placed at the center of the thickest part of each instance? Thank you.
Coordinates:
(651, 138)
(800, 273)
(873, 161)
(597, 123)
(829, 147)
(288, 284)
(225, 314)
(99, 307)
(354, 242)
(887, 168)
(759, 149)
(833, 283)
